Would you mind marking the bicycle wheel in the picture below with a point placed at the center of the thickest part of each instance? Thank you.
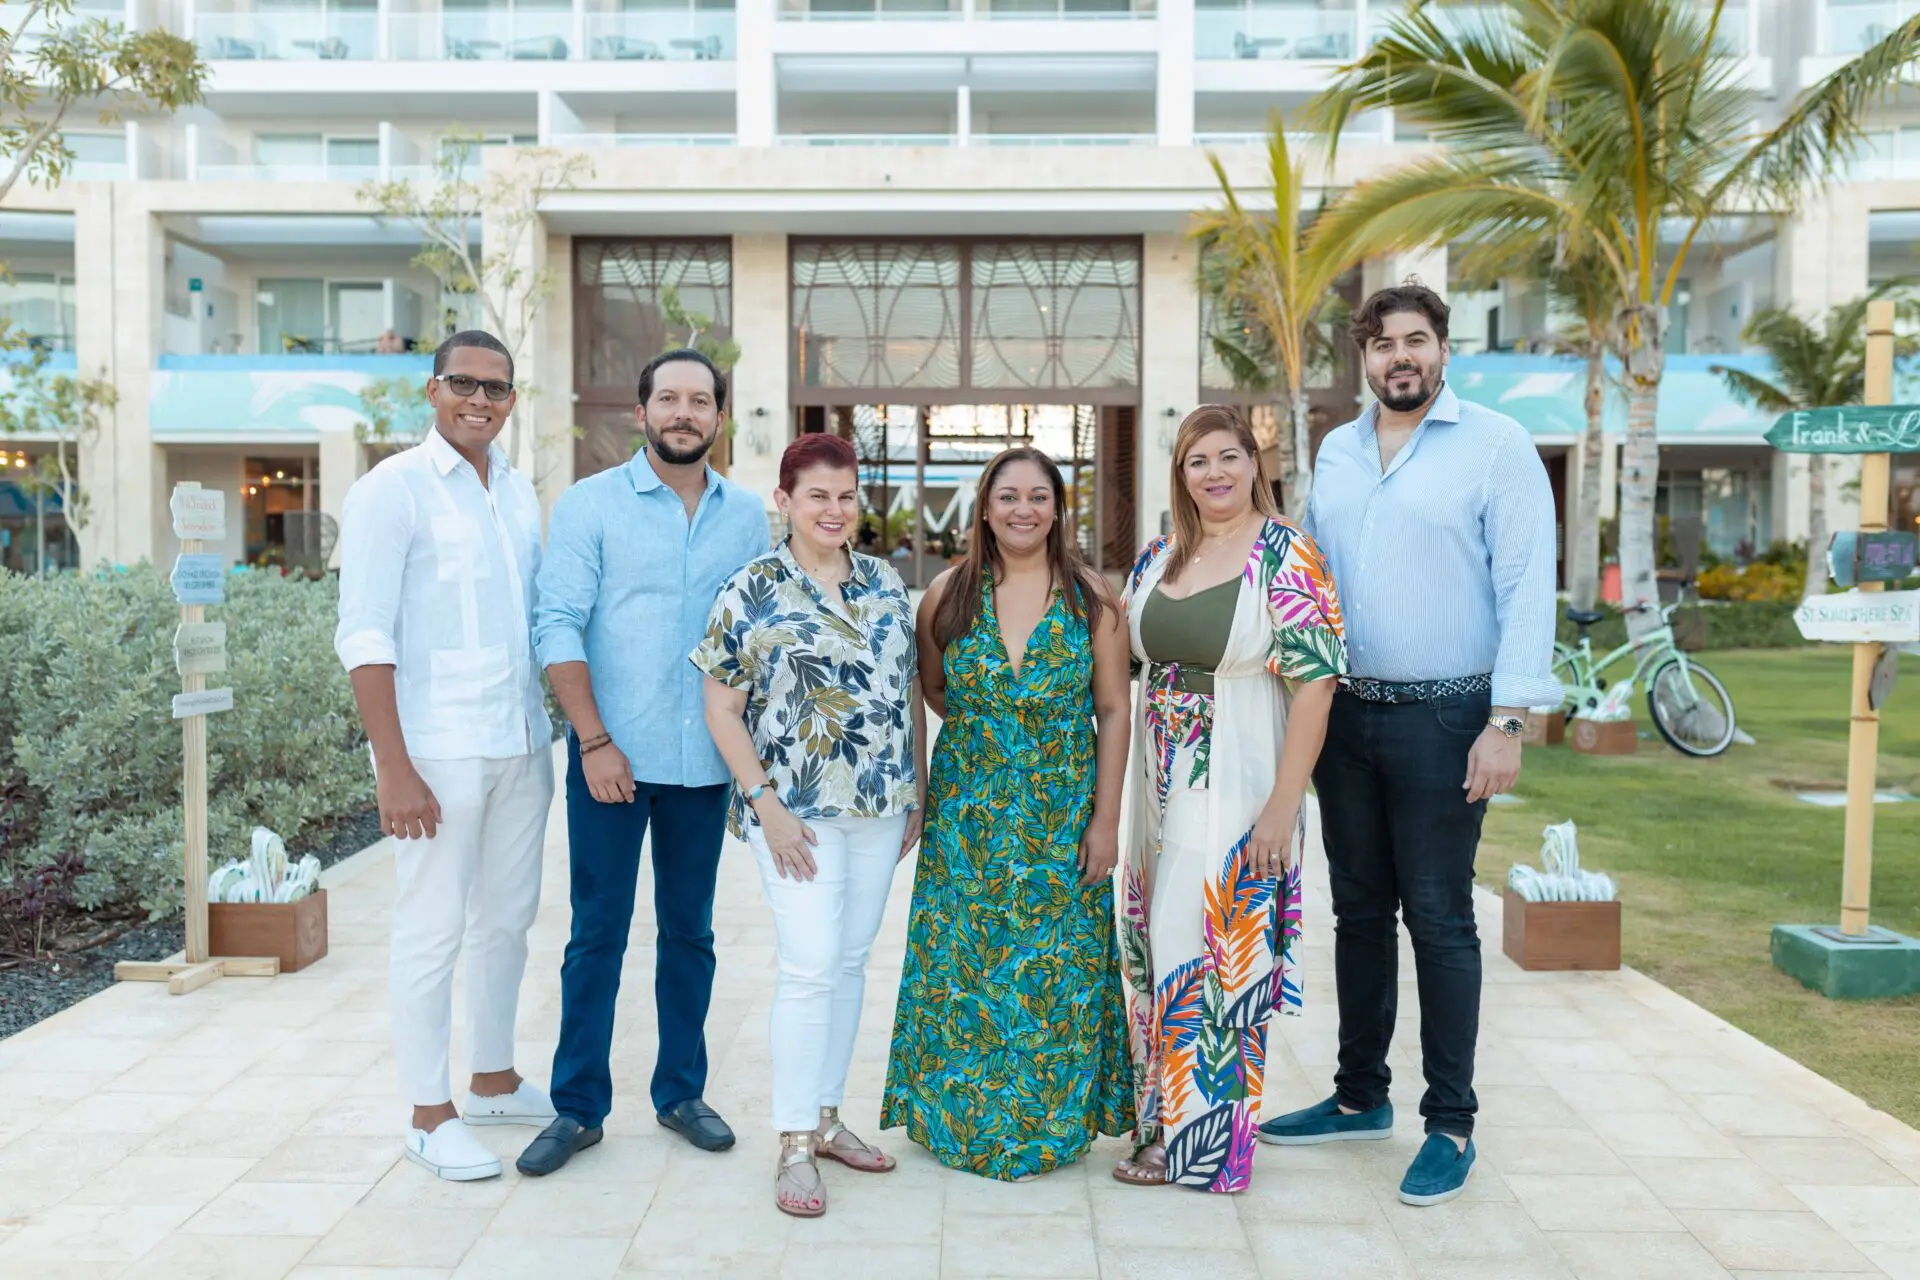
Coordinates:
(1691, 708)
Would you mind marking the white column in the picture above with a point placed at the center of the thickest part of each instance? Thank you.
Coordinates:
(759, 400)
(119, 260)
(1820, 259)
(532, 447)
(963, 115)
(755, 95)
(1170, 371)
(1173, 86)
(554, 408)
(342, 461)
(1429, 266)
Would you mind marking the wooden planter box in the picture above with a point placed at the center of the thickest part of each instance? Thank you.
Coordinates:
(294, 931)
(1603, 737)
(1561, 935)
(1545, 729)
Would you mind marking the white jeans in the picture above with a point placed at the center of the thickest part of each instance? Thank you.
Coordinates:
(479, 877)
(825, 928)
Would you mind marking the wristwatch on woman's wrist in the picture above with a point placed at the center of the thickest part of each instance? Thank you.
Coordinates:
(1512, 726)
(757, 792)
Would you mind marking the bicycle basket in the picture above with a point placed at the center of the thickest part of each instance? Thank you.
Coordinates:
(1690, 629)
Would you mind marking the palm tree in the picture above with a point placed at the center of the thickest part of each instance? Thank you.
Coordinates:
(1276, 275)
(1611, 130)
(1813, 367)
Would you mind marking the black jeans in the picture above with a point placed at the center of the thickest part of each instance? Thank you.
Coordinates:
(689, 824)
(1400, 835)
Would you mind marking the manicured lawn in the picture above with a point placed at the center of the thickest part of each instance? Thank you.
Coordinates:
(1711, 853)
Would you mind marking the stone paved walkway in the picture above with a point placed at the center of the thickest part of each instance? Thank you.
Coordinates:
(250, 1130)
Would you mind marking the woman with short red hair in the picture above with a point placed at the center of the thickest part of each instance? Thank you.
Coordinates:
(813, 699)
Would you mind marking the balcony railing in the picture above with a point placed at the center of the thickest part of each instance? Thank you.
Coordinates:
(1276, 31)
(643, 139)
(1062, 139)
(1850, 26)
(695, 35)
(870, 11)
(463, 35)
(867, 139)
(1063, 10)
(288, 172)
(256, 36)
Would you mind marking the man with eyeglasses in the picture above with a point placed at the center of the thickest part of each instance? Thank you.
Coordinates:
(439, 547)
(636, 557)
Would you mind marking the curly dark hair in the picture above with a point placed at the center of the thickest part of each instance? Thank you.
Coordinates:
(1371, 318)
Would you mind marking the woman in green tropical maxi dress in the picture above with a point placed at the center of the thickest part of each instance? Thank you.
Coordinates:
(1010, 1043)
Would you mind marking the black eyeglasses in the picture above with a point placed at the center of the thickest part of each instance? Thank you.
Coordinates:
(463, 386)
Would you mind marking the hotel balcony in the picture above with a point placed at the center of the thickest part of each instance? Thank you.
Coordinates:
(587, 30)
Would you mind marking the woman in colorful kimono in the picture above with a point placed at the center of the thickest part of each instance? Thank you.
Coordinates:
(1237, 628)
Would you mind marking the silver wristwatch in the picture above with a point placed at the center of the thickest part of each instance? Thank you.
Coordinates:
(1512, 726)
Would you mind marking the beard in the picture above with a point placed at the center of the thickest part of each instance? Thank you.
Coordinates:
(674, 454)
(1425, 387)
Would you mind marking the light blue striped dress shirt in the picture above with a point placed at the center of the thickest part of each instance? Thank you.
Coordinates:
(626, 587)
(1444, 563)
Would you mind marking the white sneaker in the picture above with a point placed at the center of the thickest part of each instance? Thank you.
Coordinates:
(452, 1152)
(529, 1104)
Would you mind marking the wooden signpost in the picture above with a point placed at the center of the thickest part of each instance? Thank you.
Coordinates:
(199, 650)
(1859, 959)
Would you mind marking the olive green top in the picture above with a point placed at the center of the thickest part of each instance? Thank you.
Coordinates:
(1191, 633)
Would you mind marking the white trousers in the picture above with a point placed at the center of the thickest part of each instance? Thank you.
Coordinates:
(825, 929)
(478, 878)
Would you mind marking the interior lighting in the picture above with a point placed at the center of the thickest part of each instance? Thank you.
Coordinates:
(251, 491)
(279, 475)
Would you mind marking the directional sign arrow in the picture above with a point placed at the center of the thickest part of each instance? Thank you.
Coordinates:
(1884, 428)
(1861, 617)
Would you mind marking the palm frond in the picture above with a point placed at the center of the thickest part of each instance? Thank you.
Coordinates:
(1755, 390)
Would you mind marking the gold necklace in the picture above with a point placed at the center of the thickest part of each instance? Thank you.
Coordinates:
(1218, 539)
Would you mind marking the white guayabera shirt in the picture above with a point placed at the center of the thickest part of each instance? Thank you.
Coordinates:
(436, 579)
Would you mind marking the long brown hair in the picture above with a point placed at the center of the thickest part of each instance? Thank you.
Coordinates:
(960, 605)
(1202, 422)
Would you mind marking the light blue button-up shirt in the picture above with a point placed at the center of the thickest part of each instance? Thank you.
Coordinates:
(1444, 562)
(626, 587)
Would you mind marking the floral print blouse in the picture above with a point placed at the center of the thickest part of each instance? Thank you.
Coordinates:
(828, 692)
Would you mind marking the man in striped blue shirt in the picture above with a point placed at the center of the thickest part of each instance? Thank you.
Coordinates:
(1437, 519)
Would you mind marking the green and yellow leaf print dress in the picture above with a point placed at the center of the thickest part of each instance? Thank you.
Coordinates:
(1010, 1042)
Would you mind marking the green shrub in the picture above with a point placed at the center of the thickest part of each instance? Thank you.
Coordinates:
(1741, 624)
(90, 756)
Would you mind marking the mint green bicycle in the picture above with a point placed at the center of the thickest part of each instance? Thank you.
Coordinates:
(1690, 707)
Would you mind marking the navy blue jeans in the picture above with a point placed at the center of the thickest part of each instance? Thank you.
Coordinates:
(603, 847)
(1401, 837)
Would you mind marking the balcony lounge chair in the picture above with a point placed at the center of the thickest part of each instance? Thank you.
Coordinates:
(229, 49)
(538, 49)
(1246, 46)
(624, 49)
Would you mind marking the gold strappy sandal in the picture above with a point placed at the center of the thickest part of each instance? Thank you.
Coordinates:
(838, 1143)
(790, 1193)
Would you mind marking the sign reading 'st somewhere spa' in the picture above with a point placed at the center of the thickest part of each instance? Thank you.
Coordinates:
(1887, 428)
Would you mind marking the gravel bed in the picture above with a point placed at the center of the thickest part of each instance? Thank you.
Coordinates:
(30, 992)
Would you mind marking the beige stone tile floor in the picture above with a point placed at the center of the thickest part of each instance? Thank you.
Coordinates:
(251, 1131)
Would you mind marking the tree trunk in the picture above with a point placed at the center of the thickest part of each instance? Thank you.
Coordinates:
(1584, 574)
(1299, 485)
(1640, 467)
(1816, 527)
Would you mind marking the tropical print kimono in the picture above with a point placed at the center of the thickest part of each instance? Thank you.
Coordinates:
(829, 693)
(1208, 947)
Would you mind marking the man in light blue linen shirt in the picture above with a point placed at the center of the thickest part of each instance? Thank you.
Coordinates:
(635, 558)
(1437, 520)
